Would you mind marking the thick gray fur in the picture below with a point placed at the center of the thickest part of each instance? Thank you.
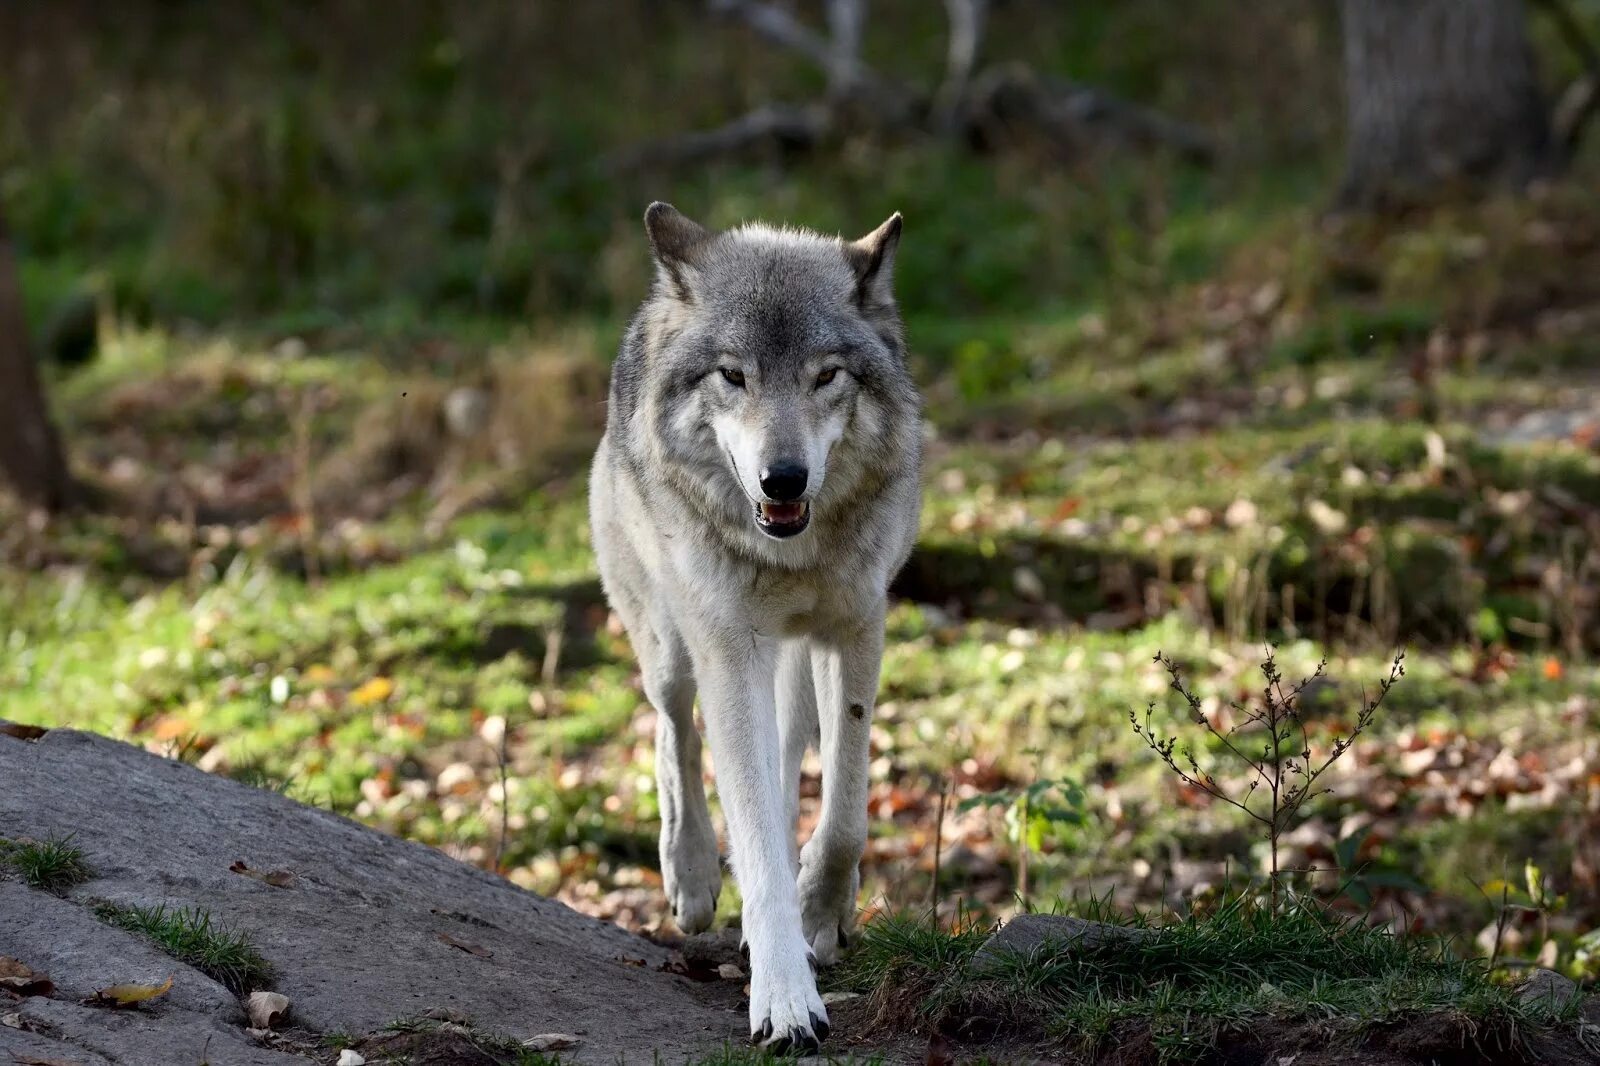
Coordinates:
(761, 349)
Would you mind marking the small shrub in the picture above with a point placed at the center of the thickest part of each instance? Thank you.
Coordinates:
(1271, 739)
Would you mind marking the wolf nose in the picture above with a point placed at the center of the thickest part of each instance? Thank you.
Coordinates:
(784, 482)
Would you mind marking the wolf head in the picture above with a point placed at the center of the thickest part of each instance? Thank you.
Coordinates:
(779, 357)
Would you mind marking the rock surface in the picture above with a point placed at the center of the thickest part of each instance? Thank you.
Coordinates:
(1025, 933)
(357, 939)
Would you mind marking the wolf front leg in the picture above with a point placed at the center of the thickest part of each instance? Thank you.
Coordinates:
(846, 674)
(737, 674)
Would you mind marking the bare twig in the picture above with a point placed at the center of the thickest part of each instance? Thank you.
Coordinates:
(938, 850)
(304, 489)
(502, 758)
(542, 699)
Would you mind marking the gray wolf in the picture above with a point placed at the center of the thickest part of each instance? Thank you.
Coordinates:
(757, 488)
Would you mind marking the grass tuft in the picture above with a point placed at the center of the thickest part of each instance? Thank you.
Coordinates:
(1235, 968)
(190, 936)
(53, 865)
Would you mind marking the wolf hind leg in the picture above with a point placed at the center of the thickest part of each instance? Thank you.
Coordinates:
(691, 871)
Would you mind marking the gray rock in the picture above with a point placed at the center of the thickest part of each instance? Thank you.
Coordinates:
(1547, 985)
(1027, 933)
(355, 940)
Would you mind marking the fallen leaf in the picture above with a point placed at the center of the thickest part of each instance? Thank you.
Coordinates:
(1066, 509)
(626, 961)
(18, 977)
(131, 995)
(375, 691)
(266, 1009)
(11, 1021)
(20, 731)
(351, 1058)
(470, 949)
(551, 1042)
(729, 972)
(34, 1060)
(275, 878)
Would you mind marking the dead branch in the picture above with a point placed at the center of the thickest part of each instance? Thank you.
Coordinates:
(1011, 99)
(845, 20)
(1581, 100)
(1004, 104)
(966, 18)
(771, 128)
(1577, 106)
(840, 56)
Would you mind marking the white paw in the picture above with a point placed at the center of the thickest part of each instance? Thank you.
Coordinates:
(691, 873)
(786, 1014)
(828, 909)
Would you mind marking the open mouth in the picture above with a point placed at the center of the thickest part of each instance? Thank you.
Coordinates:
(783, 519)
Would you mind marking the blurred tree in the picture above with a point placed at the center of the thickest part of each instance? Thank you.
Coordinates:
(1440, 91)
(31, 459)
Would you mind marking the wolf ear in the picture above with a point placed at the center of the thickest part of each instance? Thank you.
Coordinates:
(872, 258)
(675, 240)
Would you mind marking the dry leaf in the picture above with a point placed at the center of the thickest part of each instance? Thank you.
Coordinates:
(275, 878)
(729, 972)
(131, 995)
(34, 1060)
(375, 691)
(11, 1021)
(551, 1042)
(266, 1009)
(351, 1058)
(470, 949)
(18, 977)
(20, 731)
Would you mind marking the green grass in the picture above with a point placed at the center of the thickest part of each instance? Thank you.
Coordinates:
(1236, 967)
(53, 865)
(190, 935)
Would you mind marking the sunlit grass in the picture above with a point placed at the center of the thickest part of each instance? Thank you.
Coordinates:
(190, 935)
(53, 865)
(1233, 966)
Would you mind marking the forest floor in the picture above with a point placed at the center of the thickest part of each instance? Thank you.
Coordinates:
(360, 575)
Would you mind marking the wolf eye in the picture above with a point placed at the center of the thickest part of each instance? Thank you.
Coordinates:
(827, 376)
(731, 376)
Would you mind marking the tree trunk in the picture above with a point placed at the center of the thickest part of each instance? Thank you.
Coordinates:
(1440, 92)
(31, 459)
